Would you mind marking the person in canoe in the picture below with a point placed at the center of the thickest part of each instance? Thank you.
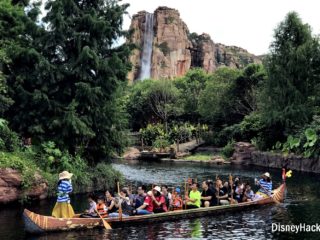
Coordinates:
(223, 192)
(91, 211)
(63, 208)
(110, 202)
(147, 206)
(159, 201)
(167, 195)
(265, 185)
(140, 197)
(101, 207)
(124, 203)
(177, 203)
(208, 195)
(248, 193)
(194, 198)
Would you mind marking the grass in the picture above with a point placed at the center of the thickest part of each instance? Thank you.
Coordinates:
(200, 157)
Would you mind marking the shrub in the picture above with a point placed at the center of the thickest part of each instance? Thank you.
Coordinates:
(151, 133)
(161, 143)
(9, 140)
(228, 149)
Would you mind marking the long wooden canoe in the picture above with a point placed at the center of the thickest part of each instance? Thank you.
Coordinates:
(36, 223)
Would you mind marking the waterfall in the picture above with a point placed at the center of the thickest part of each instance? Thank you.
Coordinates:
(145, 71)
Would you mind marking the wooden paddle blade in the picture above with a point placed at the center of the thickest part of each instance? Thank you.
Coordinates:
(106, 224)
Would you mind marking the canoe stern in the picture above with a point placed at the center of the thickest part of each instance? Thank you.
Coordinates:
(30, 224)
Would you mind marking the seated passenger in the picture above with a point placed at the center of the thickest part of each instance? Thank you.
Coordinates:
(139, 198)
(265, 184)
(167, 195)
(223, 192)
(194, 198)
(208, 195)
(123, 202)
(110, 202)
(147, 206)
(159, 201)
(101, 207)
(238, 193)
(248, 193)
(177, 203)
(91, 211)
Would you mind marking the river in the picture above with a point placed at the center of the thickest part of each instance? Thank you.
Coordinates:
(301, 205)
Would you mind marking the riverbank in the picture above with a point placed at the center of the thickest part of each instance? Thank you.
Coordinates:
(246, 154)
(21, 179)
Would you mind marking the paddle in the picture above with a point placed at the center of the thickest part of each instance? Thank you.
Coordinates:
(185, 194)
(105, 223)
(231, 187)
(120, 208)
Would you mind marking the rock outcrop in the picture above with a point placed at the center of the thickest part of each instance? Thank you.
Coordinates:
(171, 54)
(175, 50)
(242, 153)
(11, 186)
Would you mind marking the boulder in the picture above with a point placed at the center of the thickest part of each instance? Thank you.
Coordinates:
(242, 153)
(11, 188)
(132, 154)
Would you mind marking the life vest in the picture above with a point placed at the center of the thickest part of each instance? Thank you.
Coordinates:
(177, 202)
(101, 208)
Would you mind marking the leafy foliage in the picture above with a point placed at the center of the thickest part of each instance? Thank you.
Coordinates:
(69, 78)
(305, 142)
(291, 89)
(9, 140)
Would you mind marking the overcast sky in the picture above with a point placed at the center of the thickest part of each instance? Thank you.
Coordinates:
(245, 23)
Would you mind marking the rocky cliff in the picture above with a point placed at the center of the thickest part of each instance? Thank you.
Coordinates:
(175, 50)
(11, 186)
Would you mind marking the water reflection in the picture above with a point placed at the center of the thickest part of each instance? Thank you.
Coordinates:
(301, 206)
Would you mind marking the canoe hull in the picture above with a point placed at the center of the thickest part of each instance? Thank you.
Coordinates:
(37, 224)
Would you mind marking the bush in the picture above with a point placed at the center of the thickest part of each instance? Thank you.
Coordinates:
(20, 161)
(161, 143)
(305, 142)
(9, 140)
(151, 133)
(228, 149)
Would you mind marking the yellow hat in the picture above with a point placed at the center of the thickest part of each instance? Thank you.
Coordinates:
(65, 175)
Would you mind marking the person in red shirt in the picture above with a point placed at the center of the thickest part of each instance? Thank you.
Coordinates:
(147, 206)
(159, 201)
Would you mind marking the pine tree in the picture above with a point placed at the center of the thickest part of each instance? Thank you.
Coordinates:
(289, 92)
(66, 88)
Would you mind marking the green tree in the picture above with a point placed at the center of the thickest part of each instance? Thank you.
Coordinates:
(215, 100)
(293, 77)
(246, 89)
(163, 98)
(138, 107)
(65, 88)
(191, 86)
(15, 27)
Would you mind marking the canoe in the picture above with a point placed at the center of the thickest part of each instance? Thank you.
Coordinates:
(37, 224)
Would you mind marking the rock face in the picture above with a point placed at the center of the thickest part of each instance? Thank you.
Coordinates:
(11, 186)
(294, 162)
(171, 54)
(175, 50)
(242, 153)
